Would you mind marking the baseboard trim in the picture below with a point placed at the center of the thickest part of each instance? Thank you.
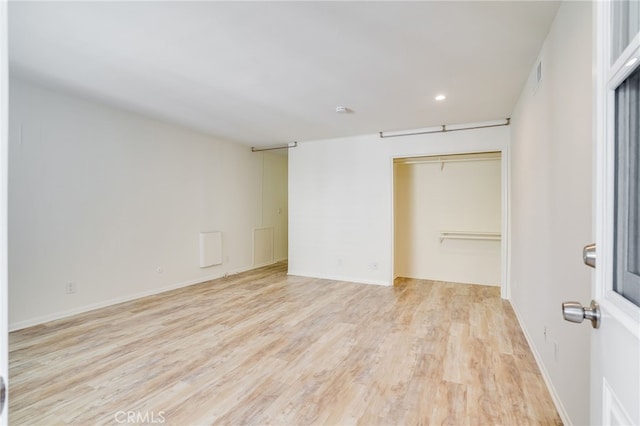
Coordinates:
(562, 412)
(98, 305)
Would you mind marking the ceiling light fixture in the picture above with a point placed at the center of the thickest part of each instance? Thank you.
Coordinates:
(342, 109)
(440, 97)
(631, 62)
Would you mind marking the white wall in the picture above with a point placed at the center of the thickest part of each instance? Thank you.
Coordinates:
(103, 197)
(457, 196)
(4, 174)
(551, 193)
(341, 200)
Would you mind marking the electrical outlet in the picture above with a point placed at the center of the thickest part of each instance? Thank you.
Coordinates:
(70, 288)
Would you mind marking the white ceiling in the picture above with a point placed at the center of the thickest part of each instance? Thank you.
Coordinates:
(265, 73)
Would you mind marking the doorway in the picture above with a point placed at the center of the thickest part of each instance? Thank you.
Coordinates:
(448, 218)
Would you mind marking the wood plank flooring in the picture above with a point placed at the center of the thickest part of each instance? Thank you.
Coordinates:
(265, 348)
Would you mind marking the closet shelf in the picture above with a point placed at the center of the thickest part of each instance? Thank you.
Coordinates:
(466, 235)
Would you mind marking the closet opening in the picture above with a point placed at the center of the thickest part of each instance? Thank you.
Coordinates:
(448, 218)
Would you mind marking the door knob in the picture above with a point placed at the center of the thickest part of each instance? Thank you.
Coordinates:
(575, 312)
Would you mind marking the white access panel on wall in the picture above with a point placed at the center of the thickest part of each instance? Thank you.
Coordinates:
(210, 249)
(262, 246)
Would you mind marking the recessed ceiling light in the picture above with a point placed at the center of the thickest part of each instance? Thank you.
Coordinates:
(342, 109)
(440, 97)
(631, 62)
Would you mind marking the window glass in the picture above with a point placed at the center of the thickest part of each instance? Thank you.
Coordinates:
(625, 25)
(627, 189)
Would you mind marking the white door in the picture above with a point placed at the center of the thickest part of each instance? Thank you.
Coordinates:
(4, 137)
(615, 345)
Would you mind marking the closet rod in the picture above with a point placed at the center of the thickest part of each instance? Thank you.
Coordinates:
(445, 160)
(469, 235)
(291, 145)
(443, 129)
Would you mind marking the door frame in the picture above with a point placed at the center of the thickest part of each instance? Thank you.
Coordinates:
(505, 288)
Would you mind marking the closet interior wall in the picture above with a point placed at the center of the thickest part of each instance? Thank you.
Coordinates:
(448, 218)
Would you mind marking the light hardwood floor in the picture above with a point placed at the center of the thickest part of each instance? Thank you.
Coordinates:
(266, 348)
